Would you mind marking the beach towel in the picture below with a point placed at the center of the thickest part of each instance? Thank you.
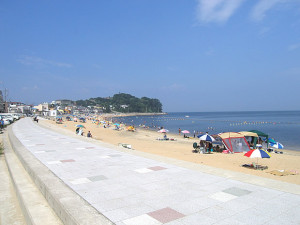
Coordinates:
(283, 172)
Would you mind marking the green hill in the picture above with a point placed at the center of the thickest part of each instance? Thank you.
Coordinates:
(124, 103)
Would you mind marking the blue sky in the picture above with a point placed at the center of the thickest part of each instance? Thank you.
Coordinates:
(205, 55)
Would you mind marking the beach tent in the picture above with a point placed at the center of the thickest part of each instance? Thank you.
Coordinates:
(250, 136)
(260, 134)
(235, 142)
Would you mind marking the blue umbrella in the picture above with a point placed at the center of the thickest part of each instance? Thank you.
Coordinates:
(206, 137)
(271, 140)
(277, 145)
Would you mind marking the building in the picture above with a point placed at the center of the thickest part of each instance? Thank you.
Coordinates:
(41, 109)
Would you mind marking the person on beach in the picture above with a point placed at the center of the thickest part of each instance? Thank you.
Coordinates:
(77, 130)
(165, 137)
(1, 123)
(89, 135)
(80, 132)
(210, 147)
(179, 131)
(201, 144)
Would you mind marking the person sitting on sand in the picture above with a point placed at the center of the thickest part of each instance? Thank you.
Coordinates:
(202, 144)
(89, 135)
(165, 137)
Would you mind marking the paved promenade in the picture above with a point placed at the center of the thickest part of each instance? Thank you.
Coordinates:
(133, 190)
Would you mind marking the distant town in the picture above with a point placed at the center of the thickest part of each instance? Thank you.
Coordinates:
(121, 103)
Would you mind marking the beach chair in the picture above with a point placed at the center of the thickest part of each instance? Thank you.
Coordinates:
(259, 167)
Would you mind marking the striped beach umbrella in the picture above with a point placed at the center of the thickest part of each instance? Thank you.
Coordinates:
(206, 137)
(257, 153)
(277, 145)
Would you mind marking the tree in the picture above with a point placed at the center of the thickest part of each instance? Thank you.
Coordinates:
(124, 103)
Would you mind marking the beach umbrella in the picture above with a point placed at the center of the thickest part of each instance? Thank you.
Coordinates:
(79, 125)
(271, 140)
(130, 128)
(257, 153)
(206, 137)
(163, 131)
(277, 145)
(185, 132)
(117, 124)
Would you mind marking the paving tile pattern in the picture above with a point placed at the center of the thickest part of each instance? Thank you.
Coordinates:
(131, 190)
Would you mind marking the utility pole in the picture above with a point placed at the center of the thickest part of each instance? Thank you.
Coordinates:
(5, 100)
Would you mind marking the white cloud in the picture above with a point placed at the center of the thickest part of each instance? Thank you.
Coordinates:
(216, 10)
(36, 61)
(264, 31)
(260, 9)
(35, 87)
(294, 47)
(173, 87)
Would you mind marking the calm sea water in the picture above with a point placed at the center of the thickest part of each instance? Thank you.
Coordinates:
(283, 126)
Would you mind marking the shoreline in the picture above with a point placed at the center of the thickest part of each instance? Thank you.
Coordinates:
(145, 140)
(119, 114)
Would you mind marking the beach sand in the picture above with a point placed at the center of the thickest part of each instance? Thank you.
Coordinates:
(145, 141)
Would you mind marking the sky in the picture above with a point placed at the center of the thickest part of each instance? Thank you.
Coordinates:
(193, 55)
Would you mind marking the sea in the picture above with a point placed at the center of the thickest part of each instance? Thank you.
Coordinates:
(282, 126)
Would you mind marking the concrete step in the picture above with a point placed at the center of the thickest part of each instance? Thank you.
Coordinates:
(10, 211)
(34, 206)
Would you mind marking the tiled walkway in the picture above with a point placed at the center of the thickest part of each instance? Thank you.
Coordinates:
(132, 190)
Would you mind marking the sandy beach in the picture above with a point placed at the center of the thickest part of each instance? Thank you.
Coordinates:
(146, 141)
